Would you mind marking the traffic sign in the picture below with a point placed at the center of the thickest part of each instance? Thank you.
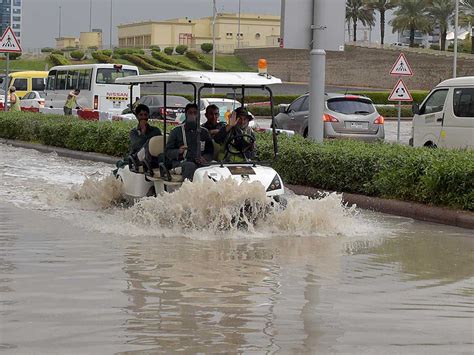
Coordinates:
(400, 92)
(401, 67)
(9, 43)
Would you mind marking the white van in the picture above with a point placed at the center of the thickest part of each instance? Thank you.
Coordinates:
(446, 116)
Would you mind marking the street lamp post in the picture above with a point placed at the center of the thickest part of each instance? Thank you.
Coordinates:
(238, 27)
(90, 16)
(59, 36)
(456, 24)
(111, 20)
(214, 13)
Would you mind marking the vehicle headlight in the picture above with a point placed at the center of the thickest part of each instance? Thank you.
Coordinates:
(275, 184)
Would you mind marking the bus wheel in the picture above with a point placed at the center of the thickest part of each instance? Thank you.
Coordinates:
(430, 145)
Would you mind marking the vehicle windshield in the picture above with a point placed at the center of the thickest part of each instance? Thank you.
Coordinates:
(42, 94)
(108, 75)
(351, 106)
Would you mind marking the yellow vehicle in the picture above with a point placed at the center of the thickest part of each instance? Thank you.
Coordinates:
(26, 81)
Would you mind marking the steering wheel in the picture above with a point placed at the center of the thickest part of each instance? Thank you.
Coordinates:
(233, 145)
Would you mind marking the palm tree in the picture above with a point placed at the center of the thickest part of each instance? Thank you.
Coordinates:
(442, 11)
(357, 10)
(381, 6)
(411, 15)
(466, 18)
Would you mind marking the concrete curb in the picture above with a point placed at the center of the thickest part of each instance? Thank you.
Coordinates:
(463, 219)
(63, 152)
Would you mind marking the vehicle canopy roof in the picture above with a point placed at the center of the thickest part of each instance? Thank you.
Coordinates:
(205, 78)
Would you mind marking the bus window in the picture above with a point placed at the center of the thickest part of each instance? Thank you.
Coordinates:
(51, 82)
(37, 84)
(21, 84)
(84, 79)
(72, 79)
(108, 75)
(61, 80)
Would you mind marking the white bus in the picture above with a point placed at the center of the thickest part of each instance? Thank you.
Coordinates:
(99, 91)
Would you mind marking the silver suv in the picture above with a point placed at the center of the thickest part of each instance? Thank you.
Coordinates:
(345, 116)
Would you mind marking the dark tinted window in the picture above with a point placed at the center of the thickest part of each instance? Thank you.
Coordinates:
(305, 105)
(37, 84)
(84, 82)
(51, 81)
(296, 105)
(61, 80)
(28, 96)
(351, 106)
(21, 84)
(108, 75)
(463, 102)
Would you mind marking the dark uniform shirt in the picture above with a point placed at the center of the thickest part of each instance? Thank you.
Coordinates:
(195, 140)
(138, 139)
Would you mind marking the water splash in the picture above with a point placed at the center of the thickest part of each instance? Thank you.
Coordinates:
(98, 192)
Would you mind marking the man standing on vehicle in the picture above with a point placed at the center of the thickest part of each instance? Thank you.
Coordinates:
(189, 146)
(71, 102)
(14, 100)
(213, 125)
(239, 134)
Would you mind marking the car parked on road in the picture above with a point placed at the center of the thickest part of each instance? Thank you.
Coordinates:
(345, 116)
(174, 107)
(33, 100)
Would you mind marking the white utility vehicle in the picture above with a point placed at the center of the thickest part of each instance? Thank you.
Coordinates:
(446, 116)
(138, 184)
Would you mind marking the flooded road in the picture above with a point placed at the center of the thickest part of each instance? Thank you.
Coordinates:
(80, 274)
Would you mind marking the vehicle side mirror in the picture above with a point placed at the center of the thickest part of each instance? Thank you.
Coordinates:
(283, 108)
(415, 108)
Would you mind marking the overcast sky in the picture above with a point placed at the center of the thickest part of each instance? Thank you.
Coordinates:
(40, 23)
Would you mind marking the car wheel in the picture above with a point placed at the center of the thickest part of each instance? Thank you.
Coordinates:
(430, 145)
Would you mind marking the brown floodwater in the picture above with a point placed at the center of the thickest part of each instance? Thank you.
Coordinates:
(80, 274)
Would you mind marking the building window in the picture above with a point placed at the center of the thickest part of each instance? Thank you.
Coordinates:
(16, 2)
(16, 18)
(16, 26)
(240, 35)
(17, 11)
(228, 35)
(257, 36)
(185, 38)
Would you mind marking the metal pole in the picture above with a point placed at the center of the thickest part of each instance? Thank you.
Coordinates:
(90, 16)
(111, 20)
(214, 13)
(456, 24)
(59, 22)
(7, 81)
(399, 120)
(214, 35)
(238, 28)
(318, 78)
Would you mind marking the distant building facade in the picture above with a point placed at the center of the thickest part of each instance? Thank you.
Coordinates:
(255, 31)
(86, 40)
(10, 15)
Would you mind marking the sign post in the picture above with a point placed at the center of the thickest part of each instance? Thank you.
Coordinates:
(8, 44)
(400, 91)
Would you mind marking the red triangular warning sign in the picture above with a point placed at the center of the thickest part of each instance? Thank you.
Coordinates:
(400, 92)
(9, 43)
(401, 67)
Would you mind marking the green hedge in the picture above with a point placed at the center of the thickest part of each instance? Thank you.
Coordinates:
(167, 59)
(432, 176)
(57, 59)
(202, 61)
(158, 64)
(101, 57)
(142, 63)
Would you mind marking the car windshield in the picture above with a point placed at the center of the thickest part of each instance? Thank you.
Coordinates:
(42, 95)
(351, 106)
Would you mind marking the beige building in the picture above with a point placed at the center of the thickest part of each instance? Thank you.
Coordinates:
(85, 40)
(65, 42)
(255, 31)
